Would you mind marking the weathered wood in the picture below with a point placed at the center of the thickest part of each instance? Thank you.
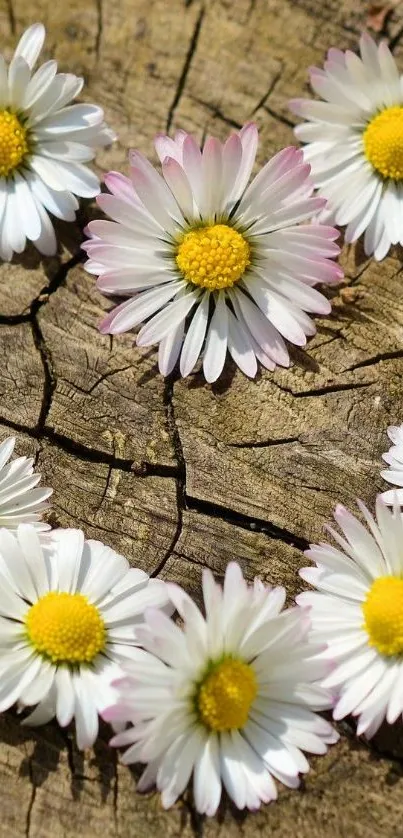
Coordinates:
(179, 475)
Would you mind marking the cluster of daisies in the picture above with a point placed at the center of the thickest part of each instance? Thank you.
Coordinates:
(229, 697)
(211, 262)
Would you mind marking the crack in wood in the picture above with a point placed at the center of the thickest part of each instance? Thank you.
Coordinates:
(393, 42)
(185, 69)
(252, 6)
(115, 789)
(14, 319)
(92, 455)
(31, 802)
(376, 359)
(11, 16)
(278, 117)
(50, 379)
(268, 93)
(246, 522)
(46, 292)
(325, 390)
(216, 113)
(268, 443)
(197, 821)
(180, 478)
(98, 37)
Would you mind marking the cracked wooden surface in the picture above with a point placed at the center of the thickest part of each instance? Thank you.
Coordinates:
(179, 475)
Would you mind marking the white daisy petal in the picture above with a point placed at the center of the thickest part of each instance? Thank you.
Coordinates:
(192, 164)
(39, 82)
(85, 712)
(165, 147)
(40, 687)
(18, 78)
(46, 242)
(395, 705)
(207, 779)
(268, 338)
(17, 677)
(13, 232)
(31, 43)
(3, 83)
(70, 549)
(153, 192)
(44, 712)
(260, 782)
(249, 140)
(27, 208)
(134, 311)
(169, 318)
(240, 347)
(216, 341)
(195, 337)
(170, 349)
(280, 314)
(212, 167)
(192, 696)
(66, 176)
(179, 185)
(177, 765)
(61, 204)
(232, 158)
(65, 698)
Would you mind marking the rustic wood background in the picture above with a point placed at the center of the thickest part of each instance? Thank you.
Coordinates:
(178, 474)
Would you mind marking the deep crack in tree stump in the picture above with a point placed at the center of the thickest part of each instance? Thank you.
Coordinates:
(178, 475)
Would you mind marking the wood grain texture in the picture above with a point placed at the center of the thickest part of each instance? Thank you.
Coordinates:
(180, 475)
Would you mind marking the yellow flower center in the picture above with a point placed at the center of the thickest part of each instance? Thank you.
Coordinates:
(13, 143)
(65, 628)
(214, 257)
(225, 695)
(383, 613)
(383, 143)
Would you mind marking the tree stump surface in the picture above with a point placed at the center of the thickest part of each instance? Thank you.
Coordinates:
(180, 475)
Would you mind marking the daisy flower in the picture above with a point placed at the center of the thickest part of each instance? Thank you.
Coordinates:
(355, 143)
(209, 263)
(45, 142)
(69, 616)
(394, 458)
(230, 697)
(20, 500)
(358, 611)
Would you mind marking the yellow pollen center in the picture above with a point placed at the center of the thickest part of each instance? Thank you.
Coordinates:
(383, 614)
(13, 143)
(214, 257)
(383, 143)
(225, 695)
(65, 628)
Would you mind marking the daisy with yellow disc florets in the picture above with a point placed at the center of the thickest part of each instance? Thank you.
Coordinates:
(354, 142)
(357, 610)
(45, 142)
(69, 616)
(230, 698)
(211, 264)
